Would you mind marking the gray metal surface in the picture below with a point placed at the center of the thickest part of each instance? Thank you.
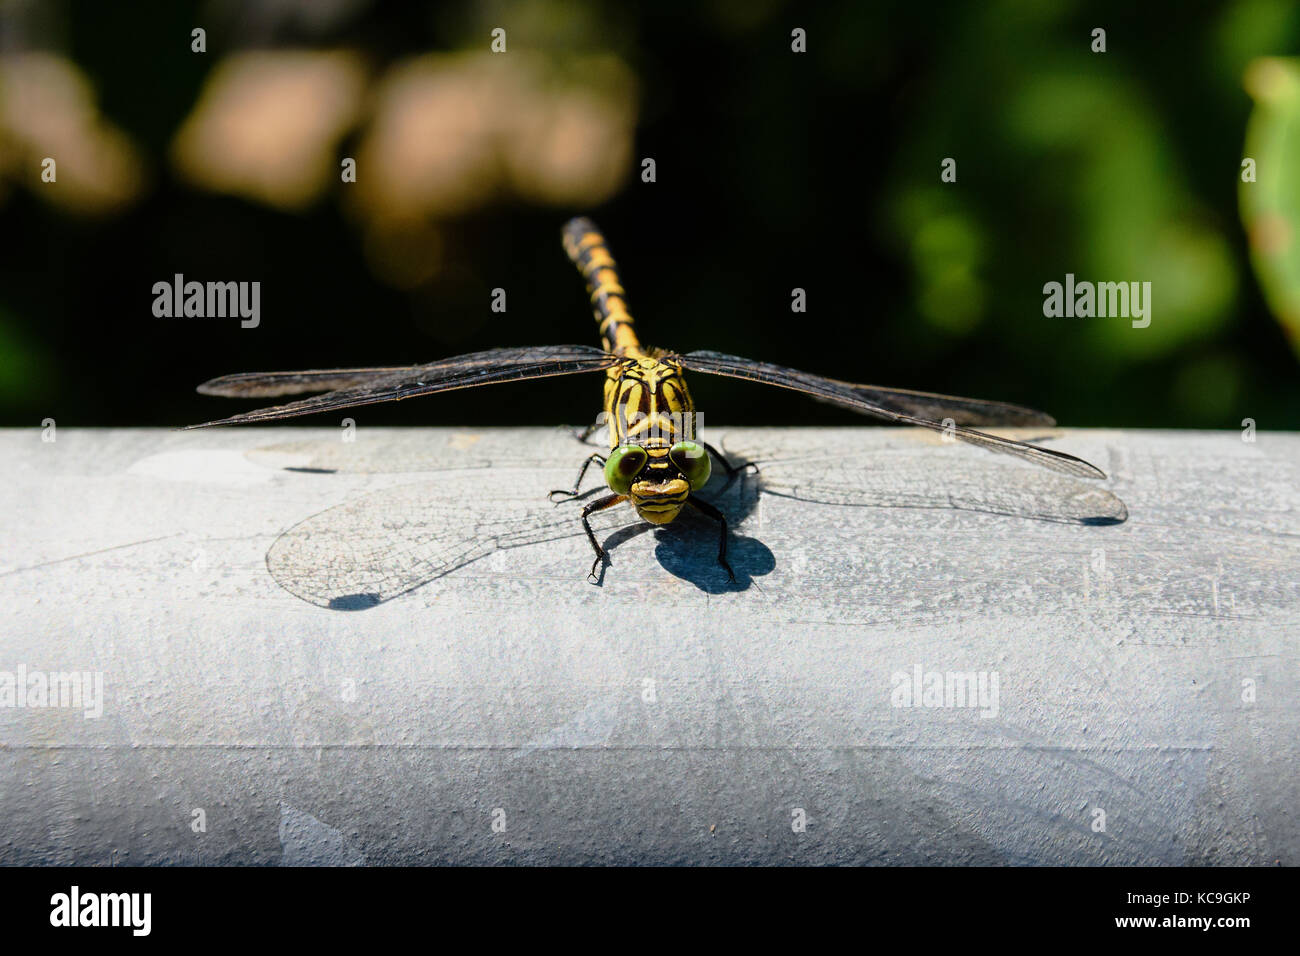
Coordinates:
(386, 651)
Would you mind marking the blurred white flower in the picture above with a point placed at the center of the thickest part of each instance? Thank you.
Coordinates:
(452, 132)
(47, 110)
(267, 125)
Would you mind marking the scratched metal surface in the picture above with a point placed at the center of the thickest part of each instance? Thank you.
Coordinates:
(372, 651)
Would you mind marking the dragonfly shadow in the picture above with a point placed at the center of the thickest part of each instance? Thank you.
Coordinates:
(689, 554)
(382, 545)
(354, 602)
(688, 550)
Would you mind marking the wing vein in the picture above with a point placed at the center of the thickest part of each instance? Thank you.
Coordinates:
(851, 396)
(348, 388)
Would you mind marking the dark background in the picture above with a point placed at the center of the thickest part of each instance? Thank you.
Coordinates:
(775, 170)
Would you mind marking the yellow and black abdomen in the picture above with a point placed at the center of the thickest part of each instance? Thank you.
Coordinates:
(586, 247)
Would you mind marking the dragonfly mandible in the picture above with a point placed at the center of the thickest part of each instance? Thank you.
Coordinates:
(656, 460)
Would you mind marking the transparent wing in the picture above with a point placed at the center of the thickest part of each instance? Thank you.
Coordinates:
(275, 384)
(351, 387)
(851, 396)
(378, 546)
(905, 476)
(402, 450)
(963, 411)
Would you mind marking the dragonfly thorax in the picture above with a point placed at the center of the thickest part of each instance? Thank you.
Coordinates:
(647, 403)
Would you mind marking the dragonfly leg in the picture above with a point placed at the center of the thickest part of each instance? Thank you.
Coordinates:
(709, 511)
(583, 434)
(577, 484)
(732, 470)
(722, 459)
(599, 505)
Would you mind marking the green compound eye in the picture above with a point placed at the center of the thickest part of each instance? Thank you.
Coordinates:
(693, 461)
(623, 465)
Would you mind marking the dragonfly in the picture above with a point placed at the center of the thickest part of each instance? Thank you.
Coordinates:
(656, 461)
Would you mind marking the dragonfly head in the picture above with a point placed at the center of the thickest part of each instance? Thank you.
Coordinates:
(658, 486)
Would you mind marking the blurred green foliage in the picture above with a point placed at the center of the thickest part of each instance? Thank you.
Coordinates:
(1270, 193)
(775, 170)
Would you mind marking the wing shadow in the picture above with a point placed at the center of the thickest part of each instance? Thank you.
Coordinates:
(379, 546)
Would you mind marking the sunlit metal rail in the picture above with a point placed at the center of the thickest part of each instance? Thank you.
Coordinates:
(382, 650)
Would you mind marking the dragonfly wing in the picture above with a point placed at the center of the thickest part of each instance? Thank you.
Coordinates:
(846, 395)
(274, 384)
(375, 547)
(371, 386)
(901, 479)
(963, 411)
